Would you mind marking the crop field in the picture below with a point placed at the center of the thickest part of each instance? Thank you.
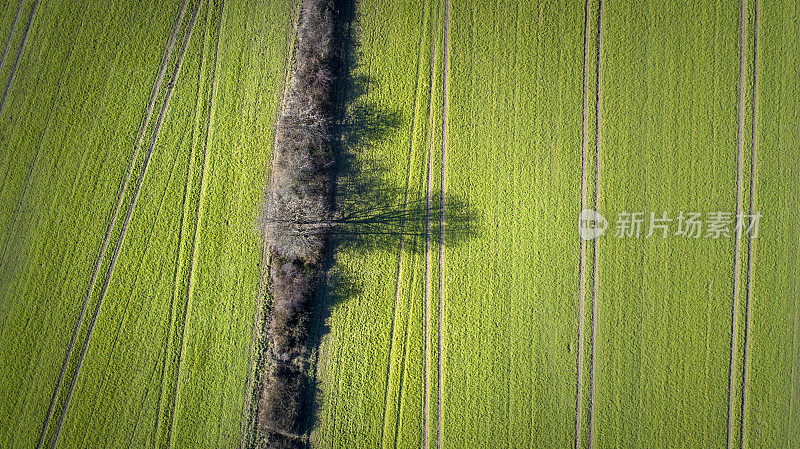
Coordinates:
(135, 141)
(552, 108)
(465, 310)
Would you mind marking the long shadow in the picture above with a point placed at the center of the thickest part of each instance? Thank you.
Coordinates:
(370, 214)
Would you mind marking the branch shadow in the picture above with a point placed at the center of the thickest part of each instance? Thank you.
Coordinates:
(370, 214)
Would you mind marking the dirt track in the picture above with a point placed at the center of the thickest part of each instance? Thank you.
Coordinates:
(596, 277)
(19, 54)
(445, 90)
(582, 256)
(738, 237)
(157, 129)
(11, 34)
(112, 222)
(750, 248)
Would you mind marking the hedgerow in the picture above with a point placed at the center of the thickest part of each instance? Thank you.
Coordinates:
(298, 209)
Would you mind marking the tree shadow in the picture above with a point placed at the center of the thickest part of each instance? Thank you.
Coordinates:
(370, 214)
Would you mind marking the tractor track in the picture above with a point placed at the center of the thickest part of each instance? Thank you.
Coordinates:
(737, 239)
(111, 224)
(582, 255)
(426, 406)
(199, 214)
(398, 279)
(445, 94)
(131, 207)
(11, 33)
(596, 274)
(18, 210)
(752, 206)
(27, 182)
(248, 421)
(19, 55)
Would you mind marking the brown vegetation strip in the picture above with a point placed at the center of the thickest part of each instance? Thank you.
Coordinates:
(112, 222)
(297, 214)
(125, 224)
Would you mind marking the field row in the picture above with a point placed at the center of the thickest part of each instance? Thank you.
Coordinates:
(553, 107)
(393, 270)
(141, 176)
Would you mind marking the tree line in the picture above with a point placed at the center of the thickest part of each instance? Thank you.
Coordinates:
(296, 216)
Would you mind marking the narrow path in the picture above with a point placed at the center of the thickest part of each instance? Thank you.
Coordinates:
(398, 279)
(19, 56)
(445, 93)
(109, 273)
(401, 391)
(177, 274)
(196, 241)
(11, 33)
(167, 379)
(750, 248)
(426, 404)
(134, 433)
(112, 222)
(596, 276)
(392, 330)
(582, 256)
(738, 236)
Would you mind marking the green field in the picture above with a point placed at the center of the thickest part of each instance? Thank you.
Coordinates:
(668, 143)
(167, 358)
(135, 143)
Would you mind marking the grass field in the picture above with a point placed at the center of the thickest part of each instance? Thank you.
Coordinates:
(772, 412)
(516, 156)
(669, 143)
(374, 397)
(167, 357)
(656, 373)
(135, 141)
